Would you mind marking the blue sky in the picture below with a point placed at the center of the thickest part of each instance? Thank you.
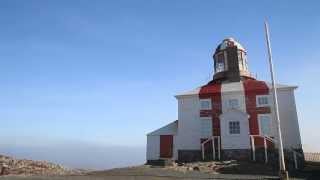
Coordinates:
(105, 72)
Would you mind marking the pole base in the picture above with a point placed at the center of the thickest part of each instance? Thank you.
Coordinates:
(283, 174)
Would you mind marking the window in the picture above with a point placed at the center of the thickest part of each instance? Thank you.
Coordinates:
(262, 100)
(244, 59)
(205, 104)
(206, 127)
(220, 63)
(240, 60)
(265, 124)
(241, 64)
(233, 104)
(234, 127)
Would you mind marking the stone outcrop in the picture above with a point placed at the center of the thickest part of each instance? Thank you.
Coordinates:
(221, 167)
(11, 166)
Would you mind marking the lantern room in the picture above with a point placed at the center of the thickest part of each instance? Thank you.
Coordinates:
(230, 61)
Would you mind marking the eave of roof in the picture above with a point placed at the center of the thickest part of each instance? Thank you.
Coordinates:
(195, 92)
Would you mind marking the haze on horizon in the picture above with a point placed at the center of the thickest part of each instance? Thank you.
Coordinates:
(83, 82)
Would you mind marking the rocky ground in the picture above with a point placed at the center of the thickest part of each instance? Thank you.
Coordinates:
(24, 167)
(41, 170)
(225, 167)
(197, 170)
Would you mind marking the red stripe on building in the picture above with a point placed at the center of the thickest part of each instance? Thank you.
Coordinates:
(253, 88)
(212, 91)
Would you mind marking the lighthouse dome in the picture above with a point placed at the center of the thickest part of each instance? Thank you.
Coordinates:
(229, 42)
(230, 61)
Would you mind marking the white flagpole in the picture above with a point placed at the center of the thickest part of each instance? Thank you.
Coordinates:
(283, 171)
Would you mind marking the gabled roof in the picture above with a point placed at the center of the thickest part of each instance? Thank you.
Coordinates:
(169, 129)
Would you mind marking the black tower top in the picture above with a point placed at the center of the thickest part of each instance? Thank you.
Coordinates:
(230, 62)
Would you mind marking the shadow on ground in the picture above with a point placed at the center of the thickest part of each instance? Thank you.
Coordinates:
(311, 171)
(249, 168)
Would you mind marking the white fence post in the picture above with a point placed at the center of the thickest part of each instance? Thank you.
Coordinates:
(219, 147)
(253, 149)
(213, 149)
(202, 147)
(265, 150)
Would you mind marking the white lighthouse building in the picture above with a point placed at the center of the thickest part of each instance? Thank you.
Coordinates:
(230, 117)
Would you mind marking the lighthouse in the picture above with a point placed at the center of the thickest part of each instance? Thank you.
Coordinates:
(229, 117)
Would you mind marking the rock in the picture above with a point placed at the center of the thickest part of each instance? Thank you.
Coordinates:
(215, 168)
(196, 168)
(11, 166)
(4, 169)
(174, 164)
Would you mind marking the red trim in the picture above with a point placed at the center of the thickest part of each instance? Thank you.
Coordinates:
(253, 88)
(205, 113)
(212, 91)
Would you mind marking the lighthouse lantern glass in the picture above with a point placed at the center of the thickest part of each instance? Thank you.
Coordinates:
(220, 63)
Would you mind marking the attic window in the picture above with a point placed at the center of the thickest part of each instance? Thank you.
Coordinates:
(205, 104)
(233, 103)
(262, 100)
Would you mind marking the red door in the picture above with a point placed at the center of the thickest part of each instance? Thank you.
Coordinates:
(166, 146)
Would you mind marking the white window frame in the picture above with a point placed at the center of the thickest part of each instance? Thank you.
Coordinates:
(205, 100)
(240, 61)
(231, 99)
(244, 58)
(201, 130)
(262, 96)
(225, 64)
(270, 124)
(225, 60)
(229, 128)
